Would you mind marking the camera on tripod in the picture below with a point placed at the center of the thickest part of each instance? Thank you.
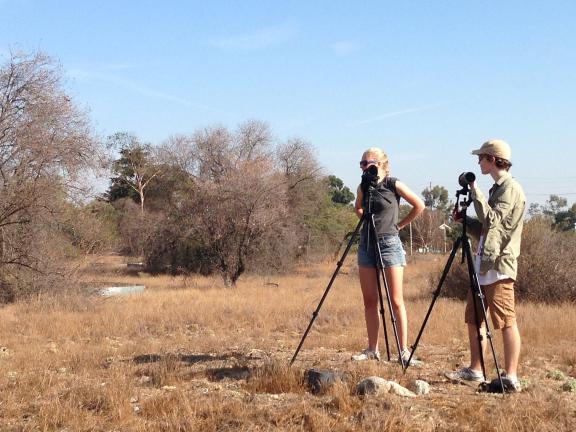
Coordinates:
(369, 177)
(466, 178)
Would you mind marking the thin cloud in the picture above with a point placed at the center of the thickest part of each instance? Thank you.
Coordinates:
(258, 40)
(91, 75)
(393, 114)
(343, 48)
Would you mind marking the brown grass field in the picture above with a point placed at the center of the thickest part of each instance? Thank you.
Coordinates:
(188, 354)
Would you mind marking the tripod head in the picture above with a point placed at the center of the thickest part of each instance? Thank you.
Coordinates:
(464, 179)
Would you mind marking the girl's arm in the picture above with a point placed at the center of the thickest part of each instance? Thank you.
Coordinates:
(358, 205)
(414, 200)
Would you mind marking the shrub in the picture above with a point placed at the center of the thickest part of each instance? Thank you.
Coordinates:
(545, 268)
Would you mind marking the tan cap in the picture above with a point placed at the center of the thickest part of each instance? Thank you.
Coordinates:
(497, 148)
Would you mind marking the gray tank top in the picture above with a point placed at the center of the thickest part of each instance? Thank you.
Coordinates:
(385, 207)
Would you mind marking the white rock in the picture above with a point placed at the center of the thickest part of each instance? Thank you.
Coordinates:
(373, 386)
(397, 389)
(420, 387)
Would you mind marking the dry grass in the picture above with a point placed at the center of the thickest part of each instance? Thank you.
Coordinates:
(189, 354)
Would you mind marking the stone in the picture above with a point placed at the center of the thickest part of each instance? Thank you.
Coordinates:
(419, 387)
(319, 381)
(373, 385)
(398, 390)
(376, 386)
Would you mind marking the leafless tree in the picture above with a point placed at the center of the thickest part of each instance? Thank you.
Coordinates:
(426, 230)
(236, 200)
(45, 144)
(297, 162)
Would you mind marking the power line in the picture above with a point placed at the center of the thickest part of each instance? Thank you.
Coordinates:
(550, 193)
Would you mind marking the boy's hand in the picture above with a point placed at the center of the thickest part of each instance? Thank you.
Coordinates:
(457, 216)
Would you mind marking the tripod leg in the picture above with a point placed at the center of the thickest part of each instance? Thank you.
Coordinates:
(383, 275)
(382, 315)
(477, 291)
(455, 248)
(338, 266)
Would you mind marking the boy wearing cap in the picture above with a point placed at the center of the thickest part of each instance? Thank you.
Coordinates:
(498, 229)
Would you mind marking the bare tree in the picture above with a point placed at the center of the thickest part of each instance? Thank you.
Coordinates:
(238, 192)
(297, 162)
(45, 144)
(427, 232)
(178, 152)
(235, 203)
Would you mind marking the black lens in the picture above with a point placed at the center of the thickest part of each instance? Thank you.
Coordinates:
(369, 177)
(372, 170)
(466, 178)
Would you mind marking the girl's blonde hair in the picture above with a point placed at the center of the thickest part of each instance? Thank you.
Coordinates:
(381, 156)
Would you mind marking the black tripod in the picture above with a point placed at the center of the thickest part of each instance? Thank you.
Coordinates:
(464, 242)
(367, 218)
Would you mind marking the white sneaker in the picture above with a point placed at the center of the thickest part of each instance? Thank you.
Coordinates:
(466, 374)
(367, 354)
(406, 356)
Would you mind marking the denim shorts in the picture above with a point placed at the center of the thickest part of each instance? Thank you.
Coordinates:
(391, 251)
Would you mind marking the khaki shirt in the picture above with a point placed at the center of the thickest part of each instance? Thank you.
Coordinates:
(500, 220)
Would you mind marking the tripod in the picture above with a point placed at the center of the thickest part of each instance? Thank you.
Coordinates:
(464, 242)
(367, 218)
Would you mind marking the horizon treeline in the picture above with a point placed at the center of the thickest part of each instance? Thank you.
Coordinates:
(215, 201)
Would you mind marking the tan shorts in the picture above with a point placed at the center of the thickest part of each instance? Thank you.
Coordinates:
(499, 299)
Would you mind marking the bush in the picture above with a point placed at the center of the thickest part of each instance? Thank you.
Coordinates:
(546, 269)
(546, 272)
(170, 251)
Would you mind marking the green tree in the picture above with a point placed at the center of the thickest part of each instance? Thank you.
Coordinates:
(535, 210)
(339, 193)
(554, 205)
(436, 198)
(555, 211)
(134, 169)
(566, 220)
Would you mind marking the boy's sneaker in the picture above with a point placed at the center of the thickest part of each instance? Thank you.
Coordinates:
(465, 374)
(406, 356)
(367, 354)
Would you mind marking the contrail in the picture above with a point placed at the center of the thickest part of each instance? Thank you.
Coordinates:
(393, 114)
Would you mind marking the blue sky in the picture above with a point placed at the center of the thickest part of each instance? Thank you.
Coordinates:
(427, 81)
